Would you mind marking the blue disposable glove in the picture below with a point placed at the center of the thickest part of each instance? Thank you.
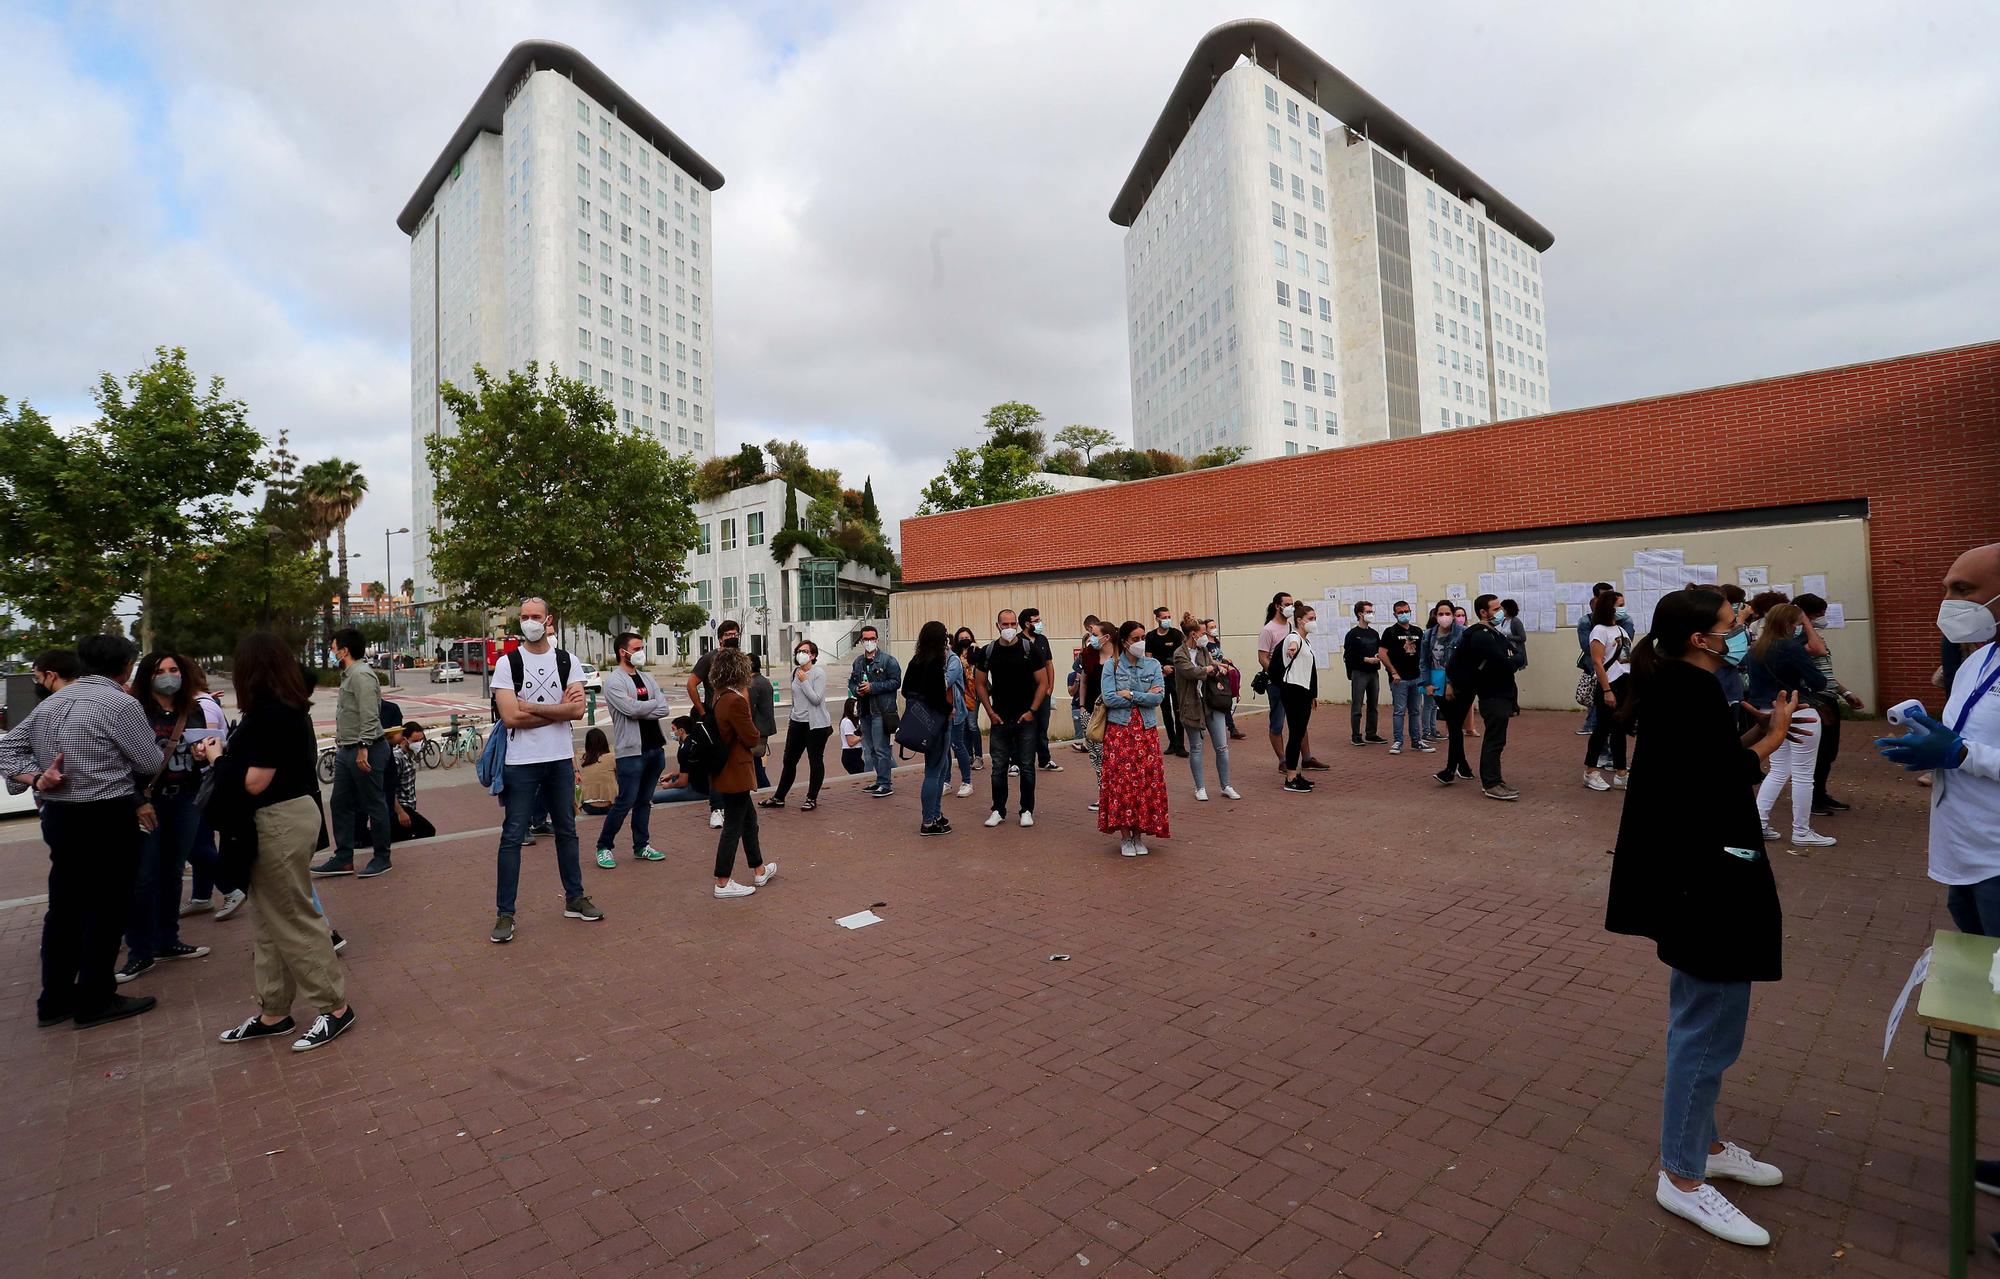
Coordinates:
(1930, 745)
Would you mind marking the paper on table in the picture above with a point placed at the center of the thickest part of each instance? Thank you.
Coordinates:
(1813, 584)
(1836, 616)
(1703, 574)
(859, 919)
(1515, 563)
(1918, 971)
(1753, 575)
(1659, 558)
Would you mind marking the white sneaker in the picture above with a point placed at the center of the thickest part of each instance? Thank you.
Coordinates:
(1618, 781)
(1708, 1209)
(767, 874)
(1027, 818)
(733, 889)
(1426, 747)
(1229, 792)
(994, 818)
(1092, 805)
(1812, 839)
(965, 790)
(715, 818)
(1139, 848)
(1126, 849)
(1771, 834)
(1396, 747)
(1737, 1164)
(1201, 793)
(1595, 780)
(1013, 770)
(230, 904)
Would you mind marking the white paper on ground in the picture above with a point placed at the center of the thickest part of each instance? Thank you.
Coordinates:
(1813, 584)
(1836, 616)
(1918, 971)
(1753, 575)
(859, 919)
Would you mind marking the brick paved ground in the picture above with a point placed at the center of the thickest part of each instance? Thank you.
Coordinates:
(1374, 1031)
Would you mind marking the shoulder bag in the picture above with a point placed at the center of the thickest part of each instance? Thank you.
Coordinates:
(919, 727)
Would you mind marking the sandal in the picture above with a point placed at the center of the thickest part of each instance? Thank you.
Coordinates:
(770, 803)
(808, 806)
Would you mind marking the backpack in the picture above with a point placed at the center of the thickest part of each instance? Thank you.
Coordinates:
(491, 766)
(700, 747)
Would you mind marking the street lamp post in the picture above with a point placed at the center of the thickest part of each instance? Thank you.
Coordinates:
(388, 587)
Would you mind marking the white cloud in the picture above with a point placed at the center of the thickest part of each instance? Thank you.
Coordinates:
(914, 225)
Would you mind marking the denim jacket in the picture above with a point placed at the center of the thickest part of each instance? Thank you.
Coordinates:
(954, 683)
(884, 675)
(1450, 646)
(1122, 676)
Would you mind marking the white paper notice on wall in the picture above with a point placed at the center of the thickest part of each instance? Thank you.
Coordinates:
(1836, 616)
(1813, 584)
(1573, 593)
(1754, 575)
(1572, 614)
(1380, 574)
(1659, 558)
(1782, 588)
(1703, 574)
(1633, 579)
(1515, 563)
(1455, 591)
(1491, 583)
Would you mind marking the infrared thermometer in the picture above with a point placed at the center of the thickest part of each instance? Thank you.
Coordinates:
(1904, 714)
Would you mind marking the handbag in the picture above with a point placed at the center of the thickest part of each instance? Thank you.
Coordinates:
(919, 728)
(1586, 688)
(1093, 732)
(1219, 698)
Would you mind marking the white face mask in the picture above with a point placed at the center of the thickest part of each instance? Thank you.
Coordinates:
(637, 657)
(1368, 619)
(1286, 612)
(1136, 648)
(803, 657)
(868, 646)
(1008, 634)
(1312, 625)
(1967, 622)
(533, 629)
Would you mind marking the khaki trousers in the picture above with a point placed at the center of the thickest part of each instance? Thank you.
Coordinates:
(293, 944)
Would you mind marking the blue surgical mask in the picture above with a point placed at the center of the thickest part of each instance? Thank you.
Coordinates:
(1739, 646)
(1403, 618)
(1624, 616)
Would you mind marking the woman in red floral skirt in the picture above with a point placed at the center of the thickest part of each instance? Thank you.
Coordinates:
(1132, 790)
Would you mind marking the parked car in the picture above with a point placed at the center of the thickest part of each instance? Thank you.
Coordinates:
(14, 805)
(447, 673)
(593, 679)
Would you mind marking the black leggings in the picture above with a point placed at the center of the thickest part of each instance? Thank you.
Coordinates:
(1454, 711)
(810, 742)
(739, 821)
(1298, 714)
(1609, 726)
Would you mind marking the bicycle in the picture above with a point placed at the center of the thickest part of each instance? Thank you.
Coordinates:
(431, 753)
(326, 764)
(466, 743)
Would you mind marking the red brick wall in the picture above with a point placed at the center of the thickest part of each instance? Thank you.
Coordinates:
(1917, 437)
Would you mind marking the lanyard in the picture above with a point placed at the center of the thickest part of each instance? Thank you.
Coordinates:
(1990, 673)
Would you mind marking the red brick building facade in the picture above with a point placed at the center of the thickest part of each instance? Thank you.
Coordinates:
(1917, 439)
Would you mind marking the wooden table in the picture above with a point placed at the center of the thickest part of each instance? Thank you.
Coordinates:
(1958, 1000)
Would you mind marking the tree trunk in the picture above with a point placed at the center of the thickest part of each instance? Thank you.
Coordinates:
(326, 610)
(146, 610)
(341, 531)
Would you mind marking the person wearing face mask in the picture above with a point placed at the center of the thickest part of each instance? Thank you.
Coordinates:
(1212, 635)
(928, 693)
(1401, 647)
(153, 932)
(1481, 675)
(728, 634)
(1032, 629)
(1584, 624)
(973, 654)
(1161, 642)
(361, 764)
(1781, 662)
(1610, 667)
(638, 749)
(408, 748)
(1279, 616)
(1295, 669)
(806, 729)
(1690, 872)
(80, 750)
(1441, 638)
(1201, 693)
(1362, 655)
(1091, 657)
(962, 680)
(1828, 703)
(1737, 649)
(872, 683)
(1017, 681)
(1132, 792)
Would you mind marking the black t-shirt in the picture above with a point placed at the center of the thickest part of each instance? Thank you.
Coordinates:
(690, 759)
(1401, 643)
(278, 737)
(651, 737)
(1362, 642)
(1010, 678)
(1160, 645)
(701, 673)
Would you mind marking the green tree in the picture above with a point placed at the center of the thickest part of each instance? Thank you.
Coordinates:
(981, 477)
(791, 508)
(1065, 462)
(1012, 426)
(684, 618)
(540, 493)
(457, 622)
(91, 515)
(1221, 455)
(871, 514)
(1085, 439)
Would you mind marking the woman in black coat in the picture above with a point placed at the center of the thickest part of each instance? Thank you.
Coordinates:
(1690, 872)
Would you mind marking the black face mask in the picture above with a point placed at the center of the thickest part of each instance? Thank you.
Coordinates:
(42, 690)
(732, 642)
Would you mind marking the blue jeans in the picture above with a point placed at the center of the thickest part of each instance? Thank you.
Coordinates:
(937, 772)
(1077, 719)
(1406, 698)
(1013, 744)
(1275, 721)
(878, 750)
(679, 795)
(1042, 714)
(1217, 737)
(529, 791)
(155, 922)
(964, 737)
(1975, 908)
(363, 797)
(637, 775)
(1430, 712)
(1705, 1022)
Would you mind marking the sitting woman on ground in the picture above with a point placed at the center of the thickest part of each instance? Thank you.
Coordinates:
(1295, 670)
(806, 730)
(694, 757)
(851, 758)
(1201, 694)
(924, 685)
(1780, 663)
(267, 813)
(735, 775)
(1132, 787)
(1610, 651)
(596, 774)
(1691, 873)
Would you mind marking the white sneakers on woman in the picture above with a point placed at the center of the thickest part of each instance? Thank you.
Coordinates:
(723, 892)
(1812, 839)
(1595, 780)
(965, 790)
(1229, 792)
(1706, 1207)
(1737, 1164)
(766, 875)
(1133, 848)
(1201, 794)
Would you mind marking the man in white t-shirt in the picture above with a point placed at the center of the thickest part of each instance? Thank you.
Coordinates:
(538, 689)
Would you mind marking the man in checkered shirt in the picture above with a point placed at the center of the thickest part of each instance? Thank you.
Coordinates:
(85, 750)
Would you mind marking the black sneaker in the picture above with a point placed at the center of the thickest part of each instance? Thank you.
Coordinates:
(1833, 803)
(543, 828)
(1356, 740)
(120, 1007)
(1374, 739)
(325, 1029)
(582, 908)
(1051, 767)
(181, 950)
(135, 968)
(1465, 771)
(46, 1020)
(333, 866)
(1298, 786)
(881, 792)
(933, 828)
(376, 866)
(1445, 775)
(1986, 1176)
(503, 929)
(255, 1028)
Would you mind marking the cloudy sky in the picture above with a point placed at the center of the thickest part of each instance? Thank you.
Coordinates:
(914, 223)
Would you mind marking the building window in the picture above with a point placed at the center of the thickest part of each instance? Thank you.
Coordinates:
(1284, 294)
(1291, 447)
(729, 535)
(728, 593)
(1284, 333)
(1277, 178)
(1270, 98)
(1285, 375)
(1308, 379)
(704, 592)
(754, 532)
(1271, 135)
(757, 599)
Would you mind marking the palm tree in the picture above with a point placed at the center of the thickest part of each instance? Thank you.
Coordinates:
(337, 487)
(316, 483)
